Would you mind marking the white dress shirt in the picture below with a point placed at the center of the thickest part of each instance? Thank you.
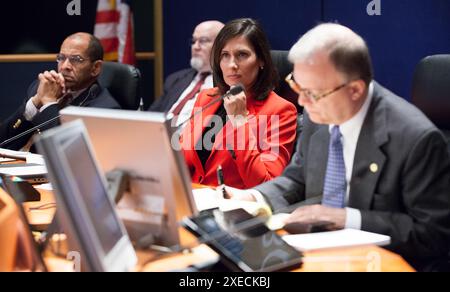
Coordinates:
(189, 106)
(350, 131)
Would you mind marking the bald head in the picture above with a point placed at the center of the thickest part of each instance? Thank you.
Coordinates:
(94, 48)
(202, 41)
(346, 50)
(213, 26)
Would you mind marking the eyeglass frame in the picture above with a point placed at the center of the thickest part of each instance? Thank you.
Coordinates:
(73, 59)
(308, 93)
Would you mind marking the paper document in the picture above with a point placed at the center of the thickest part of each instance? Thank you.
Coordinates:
(44, 187)
(334, 239)
(35, 170)
(13, 154)
(208, 198)
(29, 157)
(35, 159)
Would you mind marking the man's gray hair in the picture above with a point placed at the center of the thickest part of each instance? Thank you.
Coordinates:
(346, 50)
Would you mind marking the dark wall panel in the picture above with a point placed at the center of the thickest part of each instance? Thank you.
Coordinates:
(407, 31)
(284, 21)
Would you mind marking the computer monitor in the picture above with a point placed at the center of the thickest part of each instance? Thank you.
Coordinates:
(140, 143)
(85, 212)
(9, 218)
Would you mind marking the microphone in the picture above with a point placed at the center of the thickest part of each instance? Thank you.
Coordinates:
(238, 88)
(93, 90)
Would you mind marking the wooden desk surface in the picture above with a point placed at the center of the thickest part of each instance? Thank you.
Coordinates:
(356, 259)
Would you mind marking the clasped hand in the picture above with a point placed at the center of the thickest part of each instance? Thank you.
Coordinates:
(51, 88)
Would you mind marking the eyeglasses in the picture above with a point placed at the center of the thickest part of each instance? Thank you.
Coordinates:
(202, 41)
(73, 59)
(307, 93)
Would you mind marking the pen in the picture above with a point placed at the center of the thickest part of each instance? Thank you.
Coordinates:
(220, 181)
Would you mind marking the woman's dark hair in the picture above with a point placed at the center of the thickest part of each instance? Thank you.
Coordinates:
(267, 78)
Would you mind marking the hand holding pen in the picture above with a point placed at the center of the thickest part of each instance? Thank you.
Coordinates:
(220, 181)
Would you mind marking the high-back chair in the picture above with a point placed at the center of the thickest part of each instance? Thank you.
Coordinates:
(122, 81)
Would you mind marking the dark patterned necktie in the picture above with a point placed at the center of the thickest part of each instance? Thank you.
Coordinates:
(191, 94)
(335, 186)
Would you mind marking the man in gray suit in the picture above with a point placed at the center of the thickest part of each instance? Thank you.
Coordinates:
(367, 159)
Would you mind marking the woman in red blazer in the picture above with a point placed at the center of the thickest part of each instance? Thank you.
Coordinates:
(250, 135)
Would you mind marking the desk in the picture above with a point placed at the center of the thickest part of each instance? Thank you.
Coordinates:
(357, 259)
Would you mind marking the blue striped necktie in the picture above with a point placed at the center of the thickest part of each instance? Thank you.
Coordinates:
(335, 186)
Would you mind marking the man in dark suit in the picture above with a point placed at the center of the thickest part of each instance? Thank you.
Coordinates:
(75, 83)
(367, 159)
(181, 87)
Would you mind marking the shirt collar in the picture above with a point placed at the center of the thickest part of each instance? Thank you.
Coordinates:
(354, 125)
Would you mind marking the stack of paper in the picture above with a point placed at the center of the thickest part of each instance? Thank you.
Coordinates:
(20, 155)
(335, 239)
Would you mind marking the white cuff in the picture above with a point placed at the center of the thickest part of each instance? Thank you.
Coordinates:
(30, 110)
(354, 219)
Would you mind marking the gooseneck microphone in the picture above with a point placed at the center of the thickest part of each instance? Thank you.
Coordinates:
(93, 90)
(238, 88)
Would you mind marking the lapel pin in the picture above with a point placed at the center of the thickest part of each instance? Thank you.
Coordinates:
(17, 124)
(374, 168)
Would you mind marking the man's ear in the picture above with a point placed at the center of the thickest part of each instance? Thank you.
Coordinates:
(358, 89)
(97, 68)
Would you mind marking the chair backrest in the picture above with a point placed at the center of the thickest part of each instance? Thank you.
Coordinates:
(122, 81)
(284, 67)
(431, 90)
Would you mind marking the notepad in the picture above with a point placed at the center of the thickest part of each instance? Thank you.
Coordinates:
(208, 198)
(335, 239)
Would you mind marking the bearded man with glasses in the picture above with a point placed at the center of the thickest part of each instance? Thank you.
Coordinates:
(182, 87)
(74, 83)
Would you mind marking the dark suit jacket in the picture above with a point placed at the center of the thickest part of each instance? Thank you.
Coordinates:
(16, 124)
(174, 86)
(408, 198)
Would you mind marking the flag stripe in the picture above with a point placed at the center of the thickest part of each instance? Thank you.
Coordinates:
(110, 45)
(106, 30)
(107, 16)
(114, 28)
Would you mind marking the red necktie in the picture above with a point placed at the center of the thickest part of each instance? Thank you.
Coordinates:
(191, 94)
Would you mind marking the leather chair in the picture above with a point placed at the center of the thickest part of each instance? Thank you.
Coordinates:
(122, 81)
(431, 90)
(284, 67)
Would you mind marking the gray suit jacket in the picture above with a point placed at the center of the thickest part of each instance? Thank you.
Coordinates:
(408, 197)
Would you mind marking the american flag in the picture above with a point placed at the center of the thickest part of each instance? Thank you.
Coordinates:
(114, 28)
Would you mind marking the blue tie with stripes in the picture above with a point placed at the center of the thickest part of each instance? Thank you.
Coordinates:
(335, 185)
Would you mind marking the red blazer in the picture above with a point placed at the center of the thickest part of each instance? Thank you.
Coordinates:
(249, 155)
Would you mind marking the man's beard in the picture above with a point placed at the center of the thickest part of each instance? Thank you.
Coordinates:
(197, 63)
